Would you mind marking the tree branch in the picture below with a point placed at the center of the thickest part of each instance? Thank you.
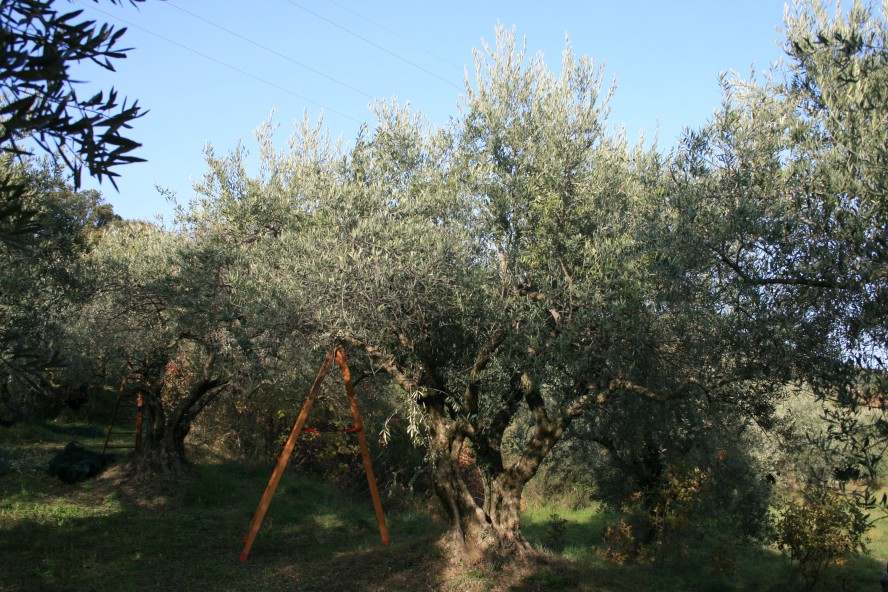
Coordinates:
(777, 281)
(683, 389)
(208, 397)
(534, 400)
(203, 388)
(481, 360)
(386, 362)
(546, 434)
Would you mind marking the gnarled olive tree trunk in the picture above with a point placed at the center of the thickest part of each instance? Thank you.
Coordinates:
(167, 421)
(479, 529)
(492, 527)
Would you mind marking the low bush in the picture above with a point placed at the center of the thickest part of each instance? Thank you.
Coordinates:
(822, 529)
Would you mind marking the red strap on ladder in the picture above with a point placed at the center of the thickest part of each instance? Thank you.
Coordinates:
(351, 430)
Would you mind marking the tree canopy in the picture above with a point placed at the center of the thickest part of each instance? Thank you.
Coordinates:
(524, 276)
(524, 267)
(41, 105)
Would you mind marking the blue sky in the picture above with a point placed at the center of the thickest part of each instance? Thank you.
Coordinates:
(203, 84)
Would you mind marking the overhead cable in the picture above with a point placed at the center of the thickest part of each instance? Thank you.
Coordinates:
(376, 45)
(220, 62)
(268, 49)
(395, 33)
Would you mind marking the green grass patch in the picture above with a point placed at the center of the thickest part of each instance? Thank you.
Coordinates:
(112, 533)
(574, 534)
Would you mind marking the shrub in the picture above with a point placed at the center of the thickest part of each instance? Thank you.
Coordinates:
(821, 530)
(556, 529)
(618, 544)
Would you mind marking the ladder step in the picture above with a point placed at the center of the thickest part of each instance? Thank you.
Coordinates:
(126, 422)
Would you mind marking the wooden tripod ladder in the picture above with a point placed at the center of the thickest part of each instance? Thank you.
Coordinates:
(337, 356)
(130, 429)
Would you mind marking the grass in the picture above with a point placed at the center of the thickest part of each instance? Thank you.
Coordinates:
(710, 562)
(581, 534)
(112, 533)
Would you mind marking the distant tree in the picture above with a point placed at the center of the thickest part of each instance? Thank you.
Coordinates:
(645, 459)
(177, 313)
(41, 284)
(156, 317)
(785, 193)
(41, 105)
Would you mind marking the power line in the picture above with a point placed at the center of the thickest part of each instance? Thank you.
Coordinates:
(268, 49)
(365, 40)
(220, 62)
(395, 33)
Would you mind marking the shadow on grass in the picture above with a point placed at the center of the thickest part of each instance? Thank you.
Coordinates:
(110, 535)
(113, 534)
(709, 562)
(76, 431)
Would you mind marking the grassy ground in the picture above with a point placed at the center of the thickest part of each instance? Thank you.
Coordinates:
(111, 533)
(705, 564)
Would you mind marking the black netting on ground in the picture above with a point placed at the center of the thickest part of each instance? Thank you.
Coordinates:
(76, 463)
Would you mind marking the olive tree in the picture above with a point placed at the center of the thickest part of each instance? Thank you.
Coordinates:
(163, 317)
(524, 267)
(42, 284)
(785, 193)
(497, 269)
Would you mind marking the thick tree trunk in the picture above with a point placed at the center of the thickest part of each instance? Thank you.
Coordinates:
(492, 528)
(477, 532)
(165, 456)
(503, 503)
(162, 450)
